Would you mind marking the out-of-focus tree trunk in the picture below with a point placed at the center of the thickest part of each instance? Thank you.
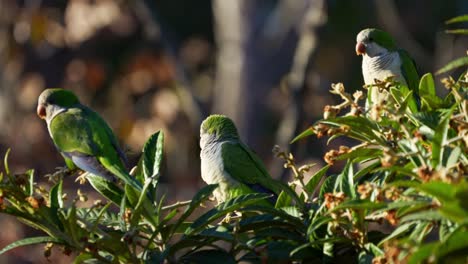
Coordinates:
(231, 36)
(256, 48)
(256, 51)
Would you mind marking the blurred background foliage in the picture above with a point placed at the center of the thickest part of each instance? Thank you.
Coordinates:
(167, 64)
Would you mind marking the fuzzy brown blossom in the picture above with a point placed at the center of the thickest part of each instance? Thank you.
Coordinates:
(48, 250)
(448, 82)
(334, 199)
(35, 201)
(365, 190)
(389, 158)
(330, 156)
(127, 216)
(392, 193)
(425, 173)
(391, 217)
(330, 112)
(321, 130)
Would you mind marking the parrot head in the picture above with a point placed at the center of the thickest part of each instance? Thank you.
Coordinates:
(374, 42)
(53, 101)
(217, 127)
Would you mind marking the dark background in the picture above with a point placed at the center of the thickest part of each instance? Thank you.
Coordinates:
(167, 64)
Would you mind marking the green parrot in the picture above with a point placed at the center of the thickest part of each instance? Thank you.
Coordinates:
(382, 59)
(226, 161)
(82, 136)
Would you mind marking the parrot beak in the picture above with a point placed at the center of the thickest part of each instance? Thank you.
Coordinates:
(41, 111)
(360, 48)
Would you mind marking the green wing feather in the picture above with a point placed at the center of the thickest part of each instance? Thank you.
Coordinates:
(408, 68)
(244, 166)
(82, 130)
(410, 73)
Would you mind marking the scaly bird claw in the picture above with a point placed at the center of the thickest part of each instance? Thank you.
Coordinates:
(59, 174)
(82, 178)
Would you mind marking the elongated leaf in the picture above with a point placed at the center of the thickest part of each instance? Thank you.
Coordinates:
(5, 162)
(457, 19)
(201, 196)
(328, 185)
(455, 242)
(401, 230)
(422, 253)
(426, 85)
(283, 200)
(218, 232)
(359, 204)
(81, 258)
(463, 61)
(344, 182)
(55, 195)
(361, 128)
(30, 185)
(107, 188)
(31, 241)
(440, 138)
(225, 208)
(310, 131)
(152, 156)
(360, 154)
(315, 179)
(462, 31)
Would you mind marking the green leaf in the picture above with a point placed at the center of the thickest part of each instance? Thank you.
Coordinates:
(402, 229)
(461, 31)
(141, 204)
(360, 154)
(107, 188)
(360, 204)
(152, 156)
(361, 128)
(218, 232)
(283, 200)
(224, 209)
(457, 19)
(208, 256)
(440, 137)
(328, 185)
(446, 228)
(83, 257)
(422, 253)
(55, 195)
(31, 241)
(201, 196)
(5, 162)
(310, 131)
(463, 61)
(315, 180)
(426, 85)
(30, 186)
(345, 181)
(455, 242)
(430, 119)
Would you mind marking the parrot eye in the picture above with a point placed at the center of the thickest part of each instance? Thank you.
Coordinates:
(371, 39)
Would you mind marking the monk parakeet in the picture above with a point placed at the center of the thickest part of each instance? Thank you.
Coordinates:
(226, 161)
(82, 136)
(382, 59)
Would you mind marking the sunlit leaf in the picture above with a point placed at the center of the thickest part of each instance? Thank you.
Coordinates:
(457, 19)
(463, 61)
(310, 131)
(31, 241)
